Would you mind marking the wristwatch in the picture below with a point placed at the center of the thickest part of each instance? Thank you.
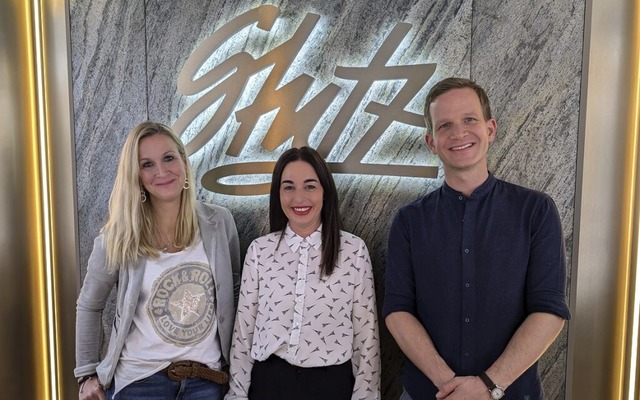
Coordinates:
(496, 392)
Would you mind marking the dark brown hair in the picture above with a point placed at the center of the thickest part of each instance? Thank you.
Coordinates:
(330, 214)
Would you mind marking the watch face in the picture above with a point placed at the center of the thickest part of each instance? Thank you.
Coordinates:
(497, 393)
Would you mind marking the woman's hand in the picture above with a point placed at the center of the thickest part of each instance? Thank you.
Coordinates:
(91, 389)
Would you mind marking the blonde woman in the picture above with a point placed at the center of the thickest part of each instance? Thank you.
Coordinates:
(176, 265)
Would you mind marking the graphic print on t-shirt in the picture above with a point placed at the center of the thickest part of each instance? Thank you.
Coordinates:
(181, 304)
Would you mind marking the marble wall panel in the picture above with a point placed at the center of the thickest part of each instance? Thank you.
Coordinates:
(127, 57)
(109, 98)
(533, 78)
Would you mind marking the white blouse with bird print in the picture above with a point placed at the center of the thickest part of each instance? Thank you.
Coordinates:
(287, 310)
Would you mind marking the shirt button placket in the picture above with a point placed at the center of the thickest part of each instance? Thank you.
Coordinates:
(468, 275)
(299, 296)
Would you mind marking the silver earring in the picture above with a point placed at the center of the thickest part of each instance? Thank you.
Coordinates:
(143, 195)
(186, 184)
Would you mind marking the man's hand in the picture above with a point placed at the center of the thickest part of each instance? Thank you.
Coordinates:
(464, 388)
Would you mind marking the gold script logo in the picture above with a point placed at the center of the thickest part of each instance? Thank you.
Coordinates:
(226, 81)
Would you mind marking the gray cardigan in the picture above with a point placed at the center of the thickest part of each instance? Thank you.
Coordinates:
(221, 244)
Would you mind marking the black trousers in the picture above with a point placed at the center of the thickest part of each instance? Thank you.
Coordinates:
(276, 379)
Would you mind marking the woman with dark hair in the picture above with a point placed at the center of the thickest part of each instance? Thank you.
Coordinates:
(175, 263)
(306, 326)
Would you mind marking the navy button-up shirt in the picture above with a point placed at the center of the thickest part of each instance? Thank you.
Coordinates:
(471, 269)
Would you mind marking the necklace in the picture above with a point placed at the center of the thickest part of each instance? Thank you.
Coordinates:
(164, 243)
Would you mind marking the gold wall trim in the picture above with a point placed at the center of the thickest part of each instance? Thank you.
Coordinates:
(38, 210)
(629, 305)
(61, 201)
(603, 332)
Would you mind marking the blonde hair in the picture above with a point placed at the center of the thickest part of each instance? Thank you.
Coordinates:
(131, 227)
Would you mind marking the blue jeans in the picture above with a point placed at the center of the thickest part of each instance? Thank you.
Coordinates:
(159, 387)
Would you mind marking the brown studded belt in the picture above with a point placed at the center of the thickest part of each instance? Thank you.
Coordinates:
(181, 370)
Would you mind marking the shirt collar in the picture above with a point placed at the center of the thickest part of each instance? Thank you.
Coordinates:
(294, 241)
(479, 192)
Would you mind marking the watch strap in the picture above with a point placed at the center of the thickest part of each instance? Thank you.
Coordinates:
(487, 381)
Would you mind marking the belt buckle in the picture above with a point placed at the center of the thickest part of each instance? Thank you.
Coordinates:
(181, 370)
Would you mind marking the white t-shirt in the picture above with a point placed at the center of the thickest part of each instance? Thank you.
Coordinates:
(174, 319)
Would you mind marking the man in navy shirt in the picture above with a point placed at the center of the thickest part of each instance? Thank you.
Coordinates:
(475, 278)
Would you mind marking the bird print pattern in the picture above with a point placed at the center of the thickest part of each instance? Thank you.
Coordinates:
(286, 308)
